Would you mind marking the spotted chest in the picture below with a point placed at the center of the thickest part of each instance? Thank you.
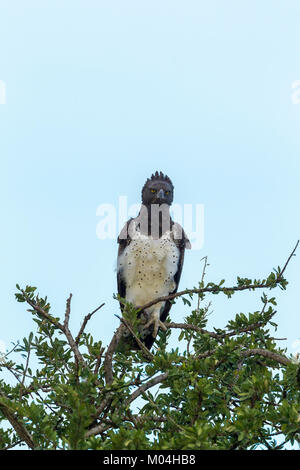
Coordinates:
(148, 267)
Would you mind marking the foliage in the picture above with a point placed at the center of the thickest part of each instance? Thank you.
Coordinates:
(231, 388)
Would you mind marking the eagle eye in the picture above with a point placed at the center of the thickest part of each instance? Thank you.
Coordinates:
(153, 190)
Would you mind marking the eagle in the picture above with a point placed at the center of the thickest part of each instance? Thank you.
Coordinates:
(150, 257)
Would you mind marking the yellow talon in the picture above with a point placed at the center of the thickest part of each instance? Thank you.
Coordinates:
(156, 322)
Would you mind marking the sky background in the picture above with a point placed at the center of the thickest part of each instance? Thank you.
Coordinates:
(99, 95)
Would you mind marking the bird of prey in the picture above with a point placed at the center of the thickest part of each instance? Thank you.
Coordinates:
(150, 256)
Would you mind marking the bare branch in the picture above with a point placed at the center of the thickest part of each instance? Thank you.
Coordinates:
(86, 319)
(68, 311)
(288, 260)
(202, 280)
(69, 336)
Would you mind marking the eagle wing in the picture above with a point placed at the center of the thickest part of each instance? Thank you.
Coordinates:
(123, 240)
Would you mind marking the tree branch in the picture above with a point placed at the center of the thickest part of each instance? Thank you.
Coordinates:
(280, 275)
(266, 353)
(217, 336)
(141, 345)
(143, 388)
(62, 327)
(86, 319)
(43, 312)
(216, 288)
(16, 424)
(250, 352)
(97, 430)
(69, 336)
(188, 326)
(109, 354)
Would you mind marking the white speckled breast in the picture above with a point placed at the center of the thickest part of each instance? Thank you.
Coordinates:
(148, 267)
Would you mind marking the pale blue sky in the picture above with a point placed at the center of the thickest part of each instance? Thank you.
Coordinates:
(99, 94)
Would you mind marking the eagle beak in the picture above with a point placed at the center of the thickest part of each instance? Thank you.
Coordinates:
(161, 194)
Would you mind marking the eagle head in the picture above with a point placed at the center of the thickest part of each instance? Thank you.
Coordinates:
(158, 189)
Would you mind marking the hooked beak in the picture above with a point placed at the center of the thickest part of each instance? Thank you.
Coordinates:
(160, 196)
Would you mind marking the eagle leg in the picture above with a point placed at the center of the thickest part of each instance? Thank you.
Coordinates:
(156, 322)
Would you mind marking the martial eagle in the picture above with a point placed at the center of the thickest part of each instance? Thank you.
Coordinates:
(150, 256)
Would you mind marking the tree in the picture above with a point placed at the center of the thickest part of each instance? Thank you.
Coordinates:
(231, 388)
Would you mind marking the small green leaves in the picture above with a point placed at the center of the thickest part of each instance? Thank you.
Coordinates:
(204, 386)
(186, 301)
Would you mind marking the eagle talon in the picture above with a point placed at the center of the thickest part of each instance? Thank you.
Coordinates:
(156, 322)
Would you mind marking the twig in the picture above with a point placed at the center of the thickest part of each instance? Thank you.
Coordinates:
(169, 417)
(112, 347)
(218, 336)
(201, 291)
(202, 279)
(86, 319)
(42, 312)
(187, 326)
(11, 446)
(139, 342)
(98, 363)
(288, 260)
(12, 349)
(69, 336)
(67, 313)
